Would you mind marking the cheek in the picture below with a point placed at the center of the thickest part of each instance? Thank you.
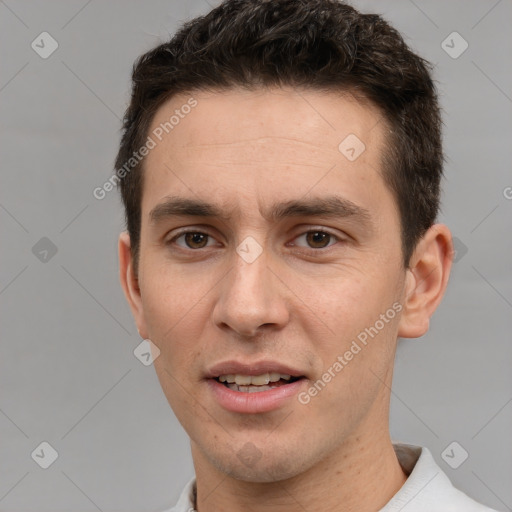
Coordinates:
(355, 364)
(174, 316)
(362, 315)
(351, 304)
(167, 291)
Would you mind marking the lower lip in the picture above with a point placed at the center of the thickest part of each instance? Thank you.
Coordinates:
(251, 403)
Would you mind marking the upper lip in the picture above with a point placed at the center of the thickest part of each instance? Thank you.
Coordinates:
(252, 368)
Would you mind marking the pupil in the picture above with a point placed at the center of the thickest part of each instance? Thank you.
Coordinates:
(319, 237)
(195, 238)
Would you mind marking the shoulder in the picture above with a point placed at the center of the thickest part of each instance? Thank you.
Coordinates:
(428, 488)
(186, 500)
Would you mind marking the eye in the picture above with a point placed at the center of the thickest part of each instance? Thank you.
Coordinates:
(192, 239)
(318, 239)
(315, 239)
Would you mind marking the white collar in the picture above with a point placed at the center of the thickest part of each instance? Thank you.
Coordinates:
(426, 489)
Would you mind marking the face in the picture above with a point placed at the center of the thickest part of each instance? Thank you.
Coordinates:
(291, 271)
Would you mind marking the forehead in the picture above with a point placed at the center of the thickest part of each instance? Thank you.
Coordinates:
(264, 144)
(219, 116)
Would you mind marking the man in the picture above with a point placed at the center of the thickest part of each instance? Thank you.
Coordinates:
(280, 168)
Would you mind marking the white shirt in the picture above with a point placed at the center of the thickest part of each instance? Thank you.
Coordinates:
(427, 488)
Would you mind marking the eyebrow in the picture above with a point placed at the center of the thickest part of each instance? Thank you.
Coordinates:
(331, 206)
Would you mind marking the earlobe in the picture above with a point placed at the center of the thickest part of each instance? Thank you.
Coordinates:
(426, 281)
(130, 283)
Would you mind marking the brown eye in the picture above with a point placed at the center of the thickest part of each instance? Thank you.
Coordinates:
(318, 239)
(191, 240)
(196, 240)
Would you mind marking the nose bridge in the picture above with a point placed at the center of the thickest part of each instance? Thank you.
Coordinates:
(250, 296)
(250, 269)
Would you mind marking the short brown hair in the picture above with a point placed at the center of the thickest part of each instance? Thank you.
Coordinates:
(316, 44)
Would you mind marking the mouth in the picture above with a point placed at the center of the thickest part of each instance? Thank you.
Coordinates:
(256, 383)
(256, 387)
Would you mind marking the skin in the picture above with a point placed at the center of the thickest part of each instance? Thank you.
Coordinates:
(301, 302)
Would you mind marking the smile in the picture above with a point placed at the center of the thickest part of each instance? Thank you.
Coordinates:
(255, 383)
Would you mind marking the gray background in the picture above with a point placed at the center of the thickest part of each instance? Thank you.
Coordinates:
(68, 374)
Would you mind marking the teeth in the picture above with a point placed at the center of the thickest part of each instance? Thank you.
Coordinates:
(254, 380)
(248, 389)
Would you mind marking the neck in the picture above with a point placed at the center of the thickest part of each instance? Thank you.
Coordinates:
(361, 475)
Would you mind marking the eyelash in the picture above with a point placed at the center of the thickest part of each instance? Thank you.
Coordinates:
(313, 250)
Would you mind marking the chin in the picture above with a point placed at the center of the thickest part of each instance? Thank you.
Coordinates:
(250, 465)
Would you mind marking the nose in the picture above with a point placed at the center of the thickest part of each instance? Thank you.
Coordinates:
(252, 298)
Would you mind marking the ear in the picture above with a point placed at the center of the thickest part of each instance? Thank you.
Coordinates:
(426, 280)
(130, 283)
